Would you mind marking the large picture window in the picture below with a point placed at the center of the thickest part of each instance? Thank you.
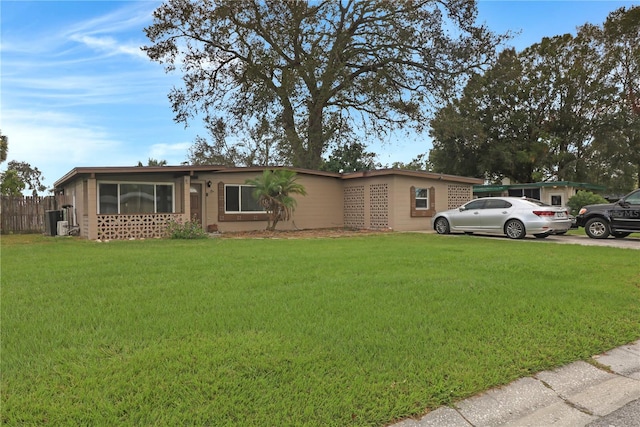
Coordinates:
(239, 198)
(135, 198)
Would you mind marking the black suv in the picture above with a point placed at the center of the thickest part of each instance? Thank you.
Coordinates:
(618, 219)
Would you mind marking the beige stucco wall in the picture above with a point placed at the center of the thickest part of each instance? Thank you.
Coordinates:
(564, 192)
(447, 195)
(320, 208)
(401, 202)
(77, 192)
(74, 194)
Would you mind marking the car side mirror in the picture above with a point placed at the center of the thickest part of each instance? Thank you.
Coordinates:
(462, 209)
(624, 203)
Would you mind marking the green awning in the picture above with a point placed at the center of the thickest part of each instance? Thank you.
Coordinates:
(497, 188)
(489, 188)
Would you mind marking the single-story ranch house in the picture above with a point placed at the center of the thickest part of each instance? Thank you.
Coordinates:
(137, 202)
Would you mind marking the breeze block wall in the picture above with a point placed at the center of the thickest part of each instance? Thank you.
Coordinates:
(354, 207)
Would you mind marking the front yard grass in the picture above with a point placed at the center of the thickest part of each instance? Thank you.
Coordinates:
(348, 331)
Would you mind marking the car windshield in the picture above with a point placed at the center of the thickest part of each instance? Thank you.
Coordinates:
(633, 198)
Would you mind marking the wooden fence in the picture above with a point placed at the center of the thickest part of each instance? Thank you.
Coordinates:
(25, 214)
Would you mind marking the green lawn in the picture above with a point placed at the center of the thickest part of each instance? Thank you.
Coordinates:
(348, 331)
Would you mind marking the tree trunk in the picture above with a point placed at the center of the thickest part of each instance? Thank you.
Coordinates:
(315, 145)
(289, 126)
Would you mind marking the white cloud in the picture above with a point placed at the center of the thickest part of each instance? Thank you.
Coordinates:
(135, 15)
(109, 45)
(174, 154)
(55, 142)
(100, 33)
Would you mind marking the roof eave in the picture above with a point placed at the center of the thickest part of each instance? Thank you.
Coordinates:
(411, 173)
(80, 171)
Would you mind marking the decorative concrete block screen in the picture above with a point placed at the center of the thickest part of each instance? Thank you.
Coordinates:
(140, 226)
(354, 207)
(379, 206)
(458, 195)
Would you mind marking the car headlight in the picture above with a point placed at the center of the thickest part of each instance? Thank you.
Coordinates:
(582, 211)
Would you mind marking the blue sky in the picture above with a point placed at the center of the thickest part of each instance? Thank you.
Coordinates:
(76, 90)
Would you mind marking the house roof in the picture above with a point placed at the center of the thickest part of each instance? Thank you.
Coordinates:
(412, 173)
(92, 171)
(504, 187)
(192, 170)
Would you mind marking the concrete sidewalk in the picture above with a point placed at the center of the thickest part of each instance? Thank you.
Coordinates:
(579, 394)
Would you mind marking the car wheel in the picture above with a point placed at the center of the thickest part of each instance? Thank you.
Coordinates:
(597, 228)
(620, 234)
(441, 226)
(541, 236)
(514, 229)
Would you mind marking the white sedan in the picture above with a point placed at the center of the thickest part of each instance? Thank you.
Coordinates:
(512, 216)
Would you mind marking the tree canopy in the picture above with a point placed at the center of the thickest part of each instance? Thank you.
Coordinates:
(296, 75)
(4, 147)
(20, 175)
(566, 108)
(153, 162)
(11, 184)
(349, 157)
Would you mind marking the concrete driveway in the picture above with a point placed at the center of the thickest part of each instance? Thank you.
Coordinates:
(628, 242)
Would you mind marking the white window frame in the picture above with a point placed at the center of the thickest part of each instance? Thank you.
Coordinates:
(239, 186)
(552, 195)
(155, 204)
(425, 208)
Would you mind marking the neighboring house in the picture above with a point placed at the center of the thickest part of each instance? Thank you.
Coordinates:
(553, 193)
(137, 202)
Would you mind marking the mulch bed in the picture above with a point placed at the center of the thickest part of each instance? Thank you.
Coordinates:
(299, 234)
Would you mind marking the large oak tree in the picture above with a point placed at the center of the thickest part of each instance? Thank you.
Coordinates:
(493, 130)
(315, 70)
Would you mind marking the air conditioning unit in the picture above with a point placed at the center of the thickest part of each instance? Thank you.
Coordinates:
(63, 228)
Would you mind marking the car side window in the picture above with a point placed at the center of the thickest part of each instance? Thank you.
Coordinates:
(497, 204)
(476, 204)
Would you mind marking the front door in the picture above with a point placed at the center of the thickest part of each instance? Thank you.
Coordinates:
(196, 203)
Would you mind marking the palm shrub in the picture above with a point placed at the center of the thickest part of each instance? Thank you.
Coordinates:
(584, 198)
(273, 191)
